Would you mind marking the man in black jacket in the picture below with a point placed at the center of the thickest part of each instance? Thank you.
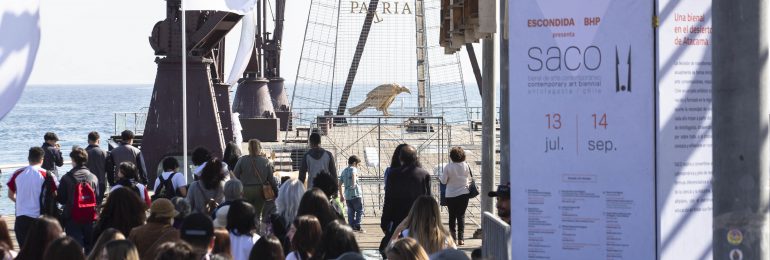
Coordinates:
(53, 158)
(403, 187)
(125, 152)
(66, 195)
(97, 161)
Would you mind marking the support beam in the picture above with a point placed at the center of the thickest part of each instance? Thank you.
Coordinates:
(740, 128)
(474, 65)
(505, 131)
(488, 126)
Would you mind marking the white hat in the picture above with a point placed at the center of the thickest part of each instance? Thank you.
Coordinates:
(220, 220)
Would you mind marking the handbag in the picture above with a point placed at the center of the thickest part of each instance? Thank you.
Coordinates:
(473, 191)
(267, 189)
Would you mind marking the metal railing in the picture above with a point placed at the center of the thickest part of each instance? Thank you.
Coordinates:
(496, 241)
(133, 121)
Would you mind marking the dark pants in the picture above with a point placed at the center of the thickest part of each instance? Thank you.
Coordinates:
(457, 206)
(355, 211)
(81, 232)
(100, 194)
(387, 229)
(22, 225)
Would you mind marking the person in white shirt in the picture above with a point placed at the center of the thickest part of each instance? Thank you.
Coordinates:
(457, 178)
(178, 180)
(24, 189)
(242, 228)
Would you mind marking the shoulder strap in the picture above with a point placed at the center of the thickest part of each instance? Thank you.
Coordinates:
(469, 170)
(256, 171)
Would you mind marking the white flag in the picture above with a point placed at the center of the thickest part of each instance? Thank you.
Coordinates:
(19, 40)
(234, 6)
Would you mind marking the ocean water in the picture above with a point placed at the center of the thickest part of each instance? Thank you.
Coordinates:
(69, 111)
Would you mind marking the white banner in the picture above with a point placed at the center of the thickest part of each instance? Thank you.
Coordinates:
(684, 130)
(19, 40)
(582, 129)
(234, 6)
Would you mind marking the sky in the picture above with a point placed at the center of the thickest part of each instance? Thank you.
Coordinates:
(107, 42)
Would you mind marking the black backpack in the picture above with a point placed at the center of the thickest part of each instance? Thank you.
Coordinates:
(48, 204)
(165, 188)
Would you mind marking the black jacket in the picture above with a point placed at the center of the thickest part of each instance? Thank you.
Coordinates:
(404, 186)
(52, 158)
(97, 161)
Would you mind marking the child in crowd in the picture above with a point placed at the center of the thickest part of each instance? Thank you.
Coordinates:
(353, 193)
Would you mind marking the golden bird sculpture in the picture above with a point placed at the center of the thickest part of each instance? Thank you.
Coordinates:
(380, 98)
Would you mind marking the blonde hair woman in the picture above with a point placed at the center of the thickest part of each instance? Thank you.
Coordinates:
(253, 171)
(406, 249)
(424, 225)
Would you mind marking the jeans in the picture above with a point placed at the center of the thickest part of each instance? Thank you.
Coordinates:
(457, 206)
(355, 211)
(22, 225)
(81, 232)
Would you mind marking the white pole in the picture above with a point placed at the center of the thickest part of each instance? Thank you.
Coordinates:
(184, 92)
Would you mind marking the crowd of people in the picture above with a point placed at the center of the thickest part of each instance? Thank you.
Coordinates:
(235, 208)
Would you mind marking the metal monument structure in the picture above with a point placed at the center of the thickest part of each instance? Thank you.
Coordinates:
(207, 95)
(260, 98)
(351, 47)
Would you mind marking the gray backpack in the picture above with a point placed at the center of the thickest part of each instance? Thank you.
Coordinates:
(315, 166)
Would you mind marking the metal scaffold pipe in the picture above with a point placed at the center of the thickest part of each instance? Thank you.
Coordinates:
(489, 60)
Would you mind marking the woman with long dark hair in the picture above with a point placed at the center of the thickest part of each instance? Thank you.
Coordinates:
(305, 234)
(64, 248)
(108, 235)
(267, 248)
(42, 232)
(123, 210)
(242, 228)
(315, 203)
(232, 154)
(336, 240)
(207, 192)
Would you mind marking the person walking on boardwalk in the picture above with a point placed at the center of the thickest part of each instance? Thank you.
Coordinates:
(353, 193)
(126, 152)
(24, 188)
(404, 186)
(97, 161)
(316, 160)
(77, 192)
(53, 157)
(457, 178)
(254, 171)
(170, 183)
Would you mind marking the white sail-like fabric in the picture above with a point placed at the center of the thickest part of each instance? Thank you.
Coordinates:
(234, 6)
(19, 41)
(245, 47)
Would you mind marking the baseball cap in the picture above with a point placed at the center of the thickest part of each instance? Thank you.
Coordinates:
(221, 218)
(197, 226)
(502, 191)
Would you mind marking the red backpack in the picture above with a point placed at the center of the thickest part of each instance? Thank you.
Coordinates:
(84, 205)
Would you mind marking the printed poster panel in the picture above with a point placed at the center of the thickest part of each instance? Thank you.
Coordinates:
(582, 129)
(684, 130)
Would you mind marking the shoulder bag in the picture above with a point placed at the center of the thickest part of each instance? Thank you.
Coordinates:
(267, 189)
(473, 191)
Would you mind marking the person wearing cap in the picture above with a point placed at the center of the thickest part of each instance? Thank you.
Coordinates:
(503, 195)
(53, 158)
(198, 230)
(149, 237)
